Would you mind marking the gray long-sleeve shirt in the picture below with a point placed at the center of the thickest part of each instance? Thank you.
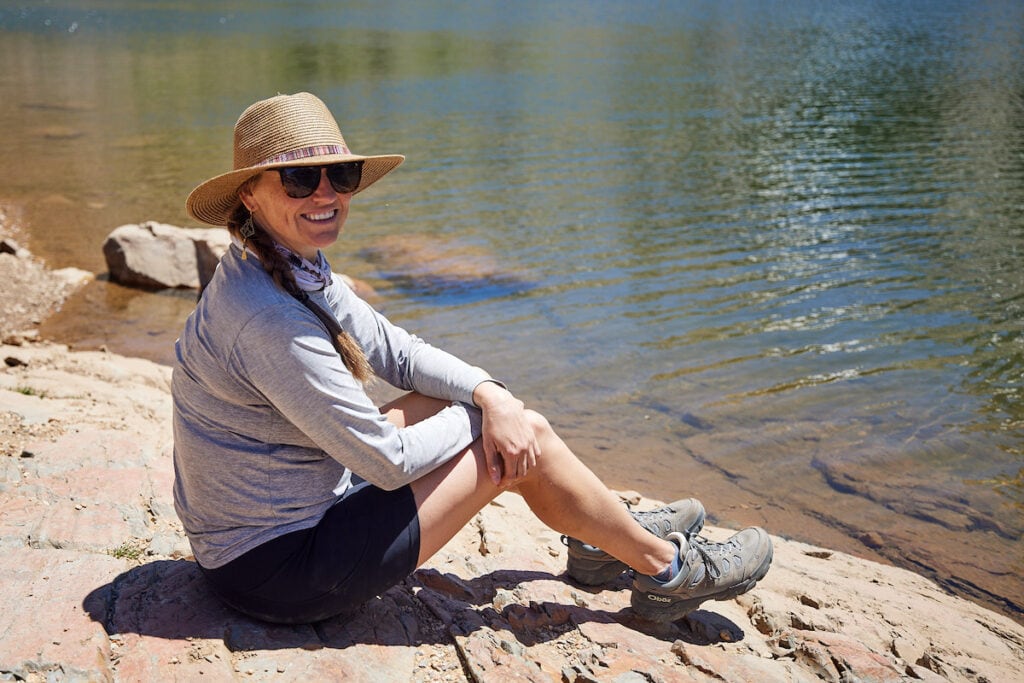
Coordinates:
(269, 425)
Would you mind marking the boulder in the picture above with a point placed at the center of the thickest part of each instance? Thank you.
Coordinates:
(158, 256)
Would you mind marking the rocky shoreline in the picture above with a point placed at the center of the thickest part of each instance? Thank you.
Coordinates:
(99, 583)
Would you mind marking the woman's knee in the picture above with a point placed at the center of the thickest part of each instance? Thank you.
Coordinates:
(542, 429)
(552, 448)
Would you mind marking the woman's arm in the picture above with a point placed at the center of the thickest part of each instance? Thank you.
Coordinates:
(284, 354)
(406, 361)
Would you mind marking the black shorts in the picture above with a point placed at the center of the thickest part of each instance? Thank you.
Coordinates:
(365, 543)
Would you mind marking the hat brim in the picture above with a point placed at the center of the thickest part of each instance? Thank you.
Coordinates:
(213, 201)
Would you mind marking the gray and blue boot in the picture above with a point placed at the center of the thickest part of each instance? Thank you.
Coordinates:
(709, 571)
(591, 566)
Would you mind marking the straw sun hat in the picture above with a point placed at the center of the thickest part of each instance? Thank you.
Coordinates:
(286, 130)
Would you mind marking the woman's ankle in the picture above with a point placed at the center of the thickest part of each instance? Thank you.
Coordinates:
(659, 561)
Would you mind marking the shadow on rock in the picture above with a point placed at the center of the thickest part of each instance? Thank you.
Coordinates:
(537, 607)
(171, 599)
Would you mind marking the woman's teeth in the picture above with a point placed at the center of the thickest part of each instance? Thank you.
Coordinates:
(321, 216)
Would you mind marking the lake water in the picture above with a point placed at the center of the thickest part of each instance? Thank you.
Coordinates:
(765, 253)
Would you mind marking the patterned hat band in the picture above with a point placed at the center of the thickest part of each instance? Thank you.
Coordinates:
(306, 153)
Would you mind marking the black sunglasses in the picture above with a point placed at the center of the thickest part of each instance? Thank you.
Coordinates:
(302, 181)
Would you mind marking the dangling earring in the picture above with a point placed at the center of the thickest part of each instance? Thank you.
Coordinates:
(246, 230)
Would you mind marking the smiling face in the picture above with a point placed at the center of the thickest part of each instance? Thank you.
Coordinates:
(303, 225)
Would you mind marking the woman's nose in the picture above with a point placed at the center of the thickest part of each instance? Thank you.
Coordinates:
(325, 189)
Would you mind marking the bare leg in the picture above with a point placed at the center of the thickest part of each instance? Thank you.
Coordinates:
(561, 491)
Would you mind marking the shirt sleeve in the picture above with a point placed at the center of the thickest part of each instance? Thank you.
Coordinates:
(285, 354)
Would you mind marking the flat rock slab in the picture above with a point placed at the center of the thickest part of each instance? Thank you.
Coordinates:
(45, 628)
(97, 582)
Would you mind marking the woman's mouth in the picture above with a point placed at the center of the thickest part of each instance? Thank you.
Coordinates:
(322, 216)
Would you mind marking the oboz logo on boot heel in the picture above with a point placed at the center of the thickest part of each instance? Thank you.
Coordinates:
(658, 598)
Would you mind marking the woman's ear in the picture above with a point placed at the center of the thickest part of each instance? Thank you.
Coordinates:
(246, 195)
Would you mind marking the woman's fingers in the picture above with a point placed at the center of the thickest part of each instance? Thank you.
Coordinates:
(510, 443)
(518, 465)
(495, 465)
(533, 454)
(512, 473)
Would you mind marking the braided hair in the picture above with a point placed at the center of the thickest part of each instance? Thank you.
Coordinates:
(278, 268)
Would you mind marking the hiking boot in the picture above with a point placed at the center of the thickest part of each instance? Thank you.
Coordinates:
(591, 566)
(710, 571)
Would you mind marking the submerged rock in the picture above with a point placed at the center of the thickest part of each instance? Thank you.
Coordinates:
(429, 264)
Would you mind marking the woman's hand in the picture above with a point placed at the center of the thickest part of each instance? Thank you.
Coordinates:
(510, 444)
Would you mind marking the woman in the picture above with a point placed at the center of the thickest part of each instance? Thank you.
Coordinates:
(301, 498)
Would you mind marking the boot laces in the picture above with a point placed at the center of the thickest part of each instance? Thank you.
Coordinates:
(714, 555)
(657, 521)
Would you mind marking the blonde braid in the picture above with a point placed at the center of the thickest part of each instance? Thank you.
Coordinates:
(352, 355)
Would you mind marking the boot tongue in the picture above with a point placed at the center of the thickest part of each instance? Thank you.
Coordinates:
(695, 564)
